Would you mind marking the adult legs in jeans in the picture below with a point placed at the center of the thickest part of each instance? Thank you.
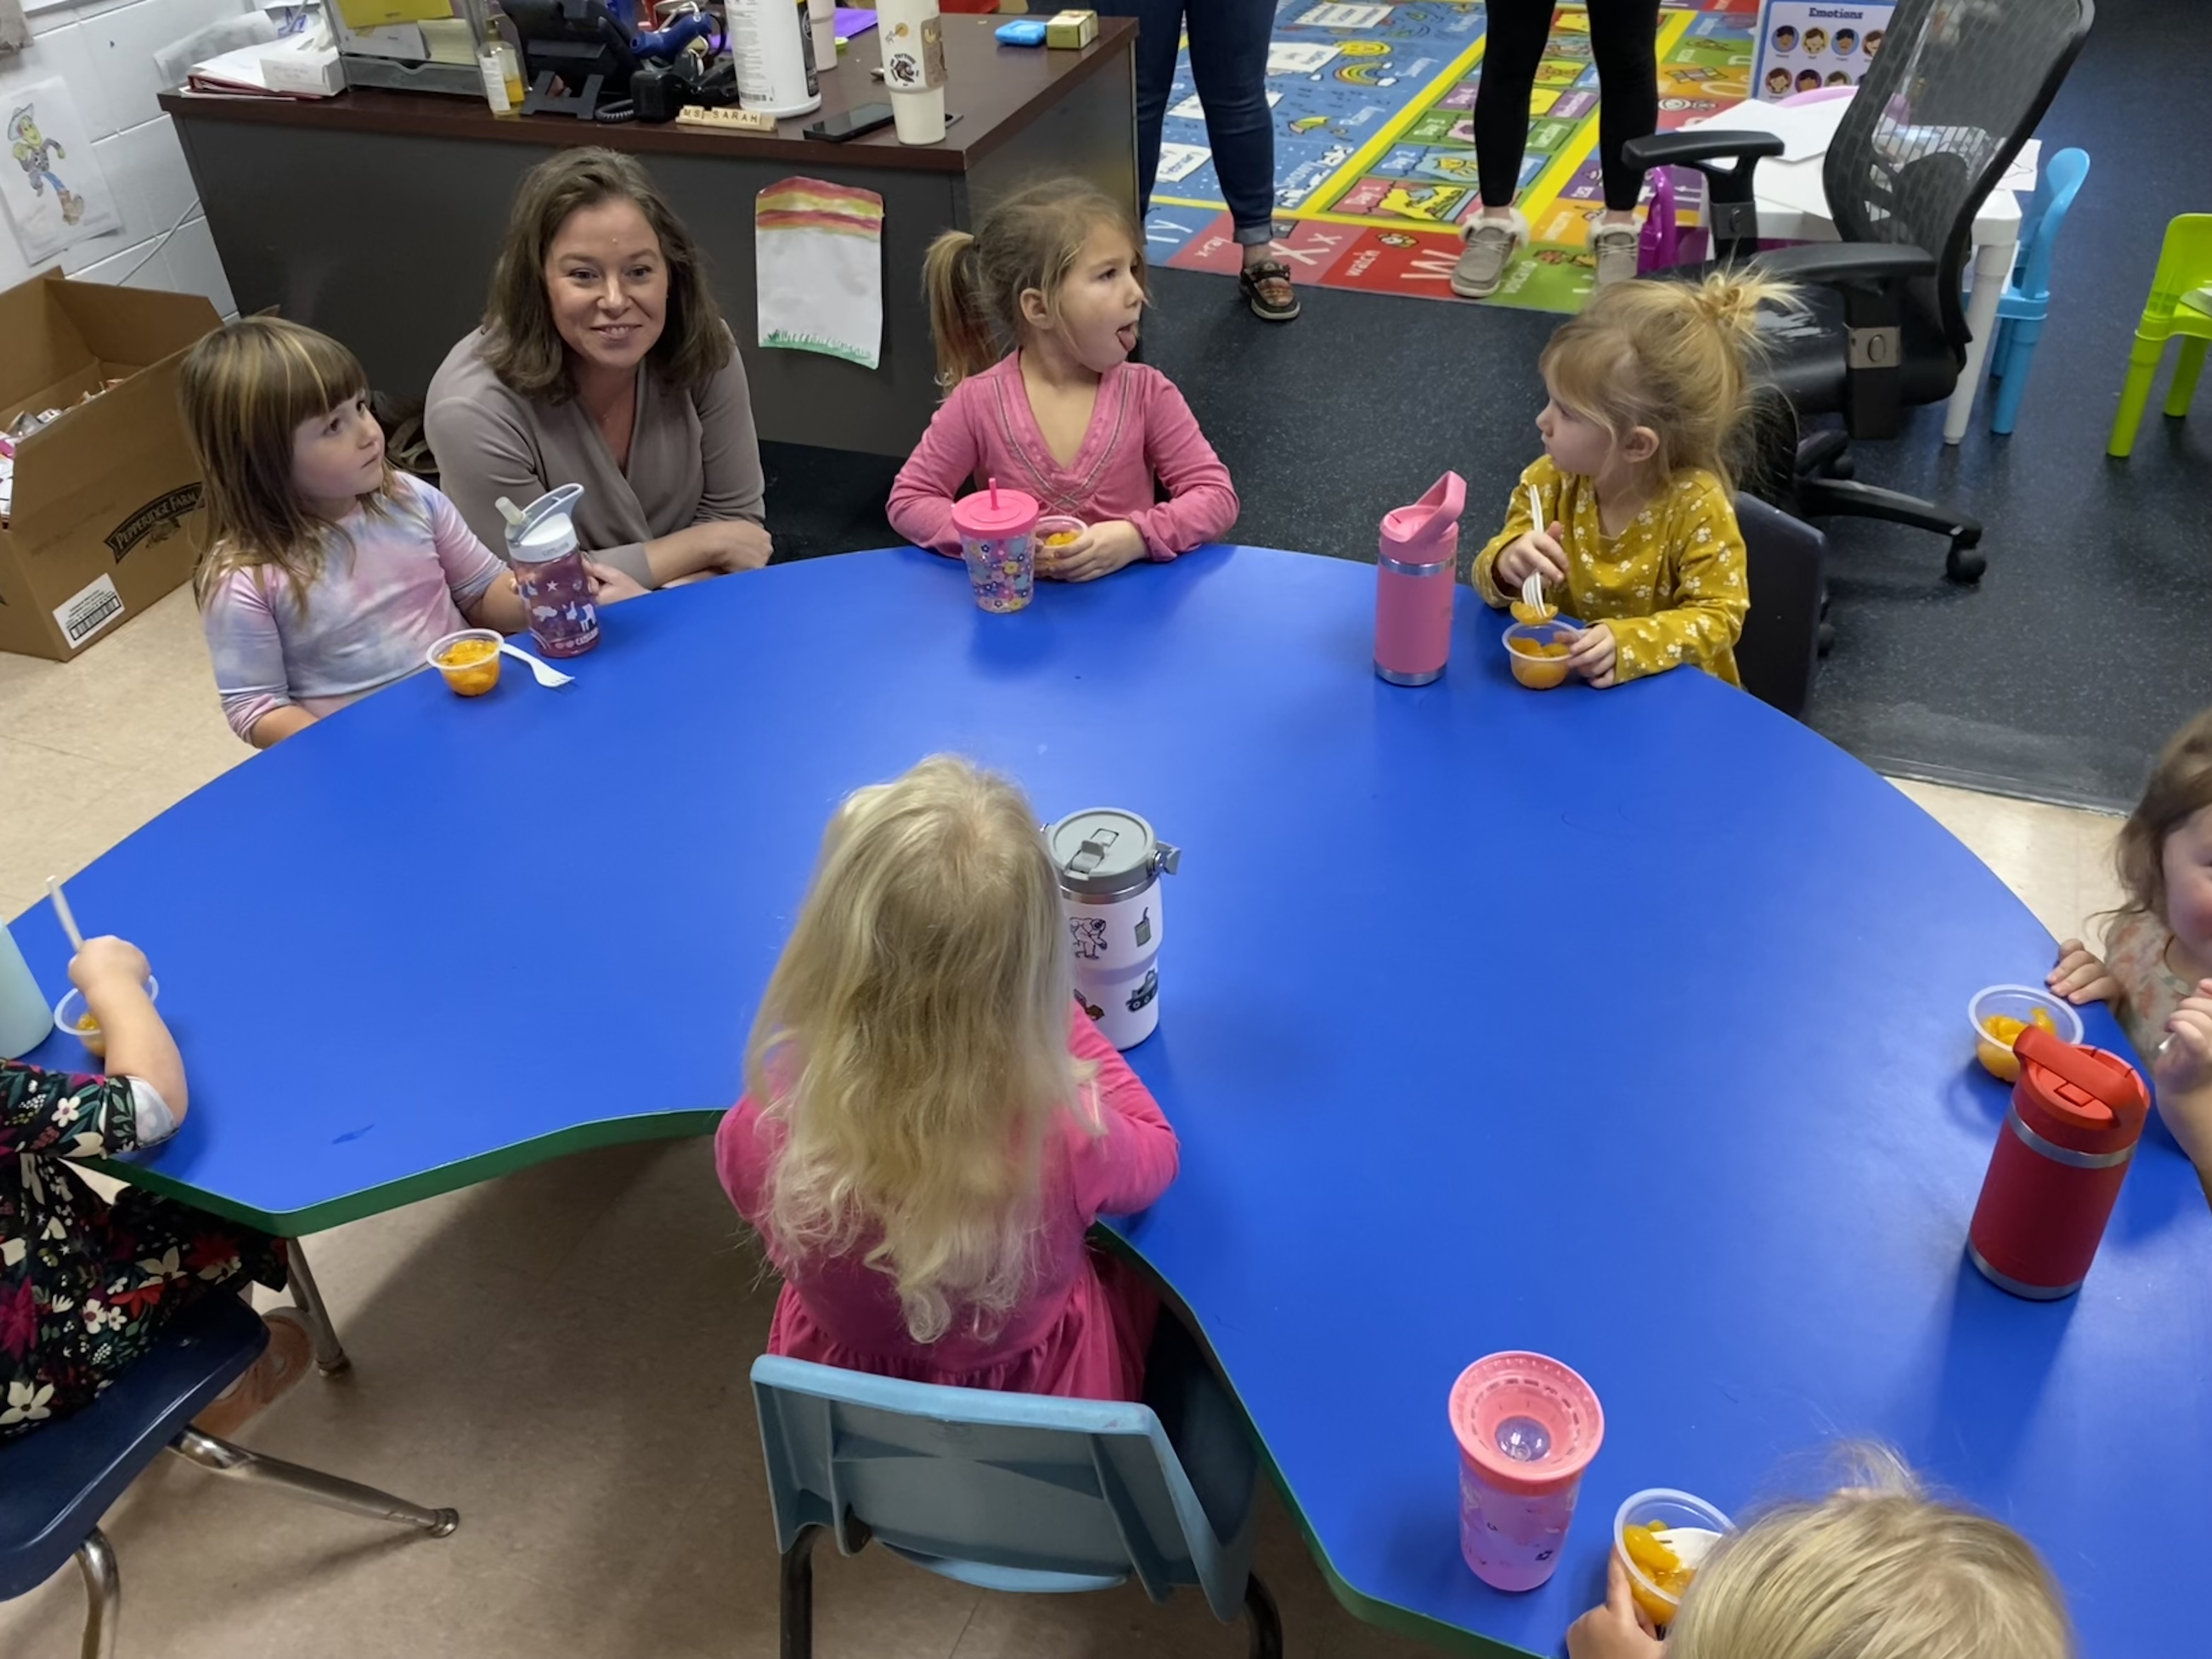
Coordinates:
(1229, 62)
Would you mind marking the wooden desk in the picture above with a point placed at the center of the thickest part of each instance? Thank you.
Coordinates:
(375, 216)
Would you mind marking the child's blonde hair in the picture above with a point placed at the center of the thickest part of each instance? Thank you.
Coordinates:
(1877, 1570)
(2180, 786)
(1675, 358)
(1029, 240)
(245, 391)
(913, 1044)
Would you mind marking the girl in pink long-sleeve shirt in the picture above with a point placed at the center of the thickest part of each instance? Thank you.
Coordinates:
(1057, 273)
(931, 1123)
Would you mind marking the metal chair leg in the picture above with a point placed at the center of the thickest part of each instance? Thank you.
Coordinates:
(797, 1612)
(221, 1457)
(1266, 1624)
(329, 1355)
(103, 1594)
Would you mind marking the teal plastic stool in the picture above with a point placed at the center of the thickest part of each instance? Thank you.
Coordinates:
(2180, 304)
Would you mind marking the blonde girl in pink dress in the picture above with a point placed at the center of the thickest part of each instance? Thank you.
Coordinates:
(931, 1123)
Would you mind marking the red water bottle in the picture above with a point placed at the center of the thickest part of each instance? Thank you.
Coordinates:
(1416, 575)
(2076, 1115)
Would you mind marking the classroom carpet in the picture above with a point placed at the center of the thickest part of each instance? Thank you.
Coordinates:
(1375, 165)
(2055, 679)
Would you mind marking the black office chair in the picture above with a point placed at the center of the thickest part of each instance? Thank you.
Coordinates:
(1785, 560)
(1958, 88)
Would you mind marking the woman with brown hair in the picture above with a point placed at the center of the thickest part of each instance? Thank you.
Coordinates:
(603, 360)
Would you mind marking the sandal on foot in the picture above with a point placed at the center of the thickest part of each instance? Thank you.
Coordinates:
(1267, 290)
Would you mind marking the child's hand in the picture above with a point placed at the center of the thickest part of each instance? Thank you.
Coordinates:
(1595, 655)
(1618, 1629)
(107, 965)
(1098, 551)
(2184, 1063)
(610, 586)
(2080, 976)
(1538, 552)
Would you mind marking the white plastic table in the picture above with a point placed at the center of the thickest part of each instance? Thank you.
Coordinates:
(1793, 207)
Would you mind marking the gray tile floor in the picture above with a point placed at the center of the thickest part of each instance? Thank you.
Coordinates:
(562, 1354)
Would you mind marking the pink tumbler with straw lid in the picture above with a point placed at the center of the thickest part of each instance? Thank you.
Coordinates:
(1527, 1427)
(998, 538)
(1416, 573)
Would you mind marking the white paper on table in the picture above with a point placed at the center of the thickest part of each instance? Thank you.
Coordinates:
(1179, 161)
(818, 257)
(55, 193)
(2021, 175)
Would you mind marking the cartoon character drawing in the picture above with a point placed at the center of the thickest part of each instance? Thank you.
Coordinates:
(35, 154)
(1090, 1008)
(1088, 934)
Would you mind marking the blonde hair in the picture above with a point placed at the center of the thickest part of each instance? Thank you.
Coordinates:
(1029, 240)
(1876, 1569)
(245, 391)
(2180, 787)
(913, 1045)
(1675, 358)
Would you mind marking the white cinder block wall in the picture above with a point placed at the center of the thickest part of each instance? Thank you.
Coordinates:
(104, 50)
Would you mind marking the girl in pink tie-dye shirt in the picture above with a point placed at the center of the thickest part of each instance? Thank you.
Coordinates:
(327, 574)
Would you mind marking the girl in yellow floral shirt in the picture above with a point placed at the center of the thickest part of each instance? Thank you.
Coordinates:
(1636, 536)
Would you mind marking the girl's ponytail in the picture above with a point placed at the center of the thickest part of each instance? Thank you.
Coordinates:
(1730, 299)
(957, 319)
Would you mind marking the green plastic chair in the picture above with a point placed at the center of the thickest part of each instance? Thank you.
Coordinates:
(2180, 303)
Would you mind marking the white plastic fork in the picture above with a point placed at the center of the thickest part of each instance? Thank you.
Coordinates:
(544, 673)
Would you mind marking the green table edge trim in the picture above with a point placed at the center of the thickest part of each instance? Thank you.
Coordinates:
(1384, 1615)
(410, 1189)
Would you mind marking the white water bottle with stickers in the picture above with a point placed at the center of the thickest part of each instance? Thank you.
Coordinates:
(913, 37)
(1110, 864)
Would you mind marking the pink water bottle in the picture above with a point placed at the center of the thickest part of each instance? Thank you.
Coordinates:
(1416, 573)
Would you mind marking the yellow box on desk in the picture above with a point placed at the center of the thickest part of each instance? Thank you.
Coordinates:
(1071, 29)
(106, 514)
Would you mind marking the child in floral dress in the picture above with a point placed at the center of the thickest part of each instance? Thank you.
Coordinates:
(87, 1288)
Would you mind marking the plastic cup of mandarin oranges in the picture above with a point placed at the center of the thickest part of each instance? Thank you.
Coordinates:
(1538, 651)
(468, 659)
(1998, 1016)
(1662, 1537)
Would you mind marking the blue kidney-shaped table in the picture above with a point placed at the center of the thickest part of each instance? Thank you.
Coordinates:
(1629, 1027)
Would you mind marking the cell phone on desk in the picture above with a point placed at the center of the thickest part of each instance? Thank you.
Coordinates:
(849, 124)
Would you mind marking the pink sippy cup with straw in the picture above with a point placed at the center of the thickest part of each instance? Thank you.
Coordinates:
(998, 538)
(1527, 1427)
(1416, 573)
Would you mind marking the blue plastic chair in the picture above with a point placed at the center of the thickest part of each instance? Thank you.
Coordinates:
(2026, 299)
(56, 1481)
(1017, 1492)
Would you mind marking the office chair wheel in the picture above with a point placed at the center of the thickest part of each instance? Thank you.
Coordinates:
(1963, 563)
(1842, 467)
(1824, 639)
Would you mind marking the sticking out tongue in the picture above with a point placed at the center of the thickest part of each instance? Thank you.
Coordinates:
(1127, 334)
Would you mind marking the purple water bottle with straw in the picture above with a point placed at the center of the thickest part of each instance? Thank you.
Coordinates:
(549, 568)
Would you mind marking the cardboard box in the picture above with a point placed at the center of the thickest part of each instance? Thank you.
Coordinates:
(106, 514)
(1070, 30)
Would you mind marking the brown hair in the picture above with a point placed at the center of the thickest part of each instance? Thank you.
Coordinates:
(1876, 1569)
(1029, 240)
(1675, 358)
(524, 348)
(245, 391)
(2180, 786)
